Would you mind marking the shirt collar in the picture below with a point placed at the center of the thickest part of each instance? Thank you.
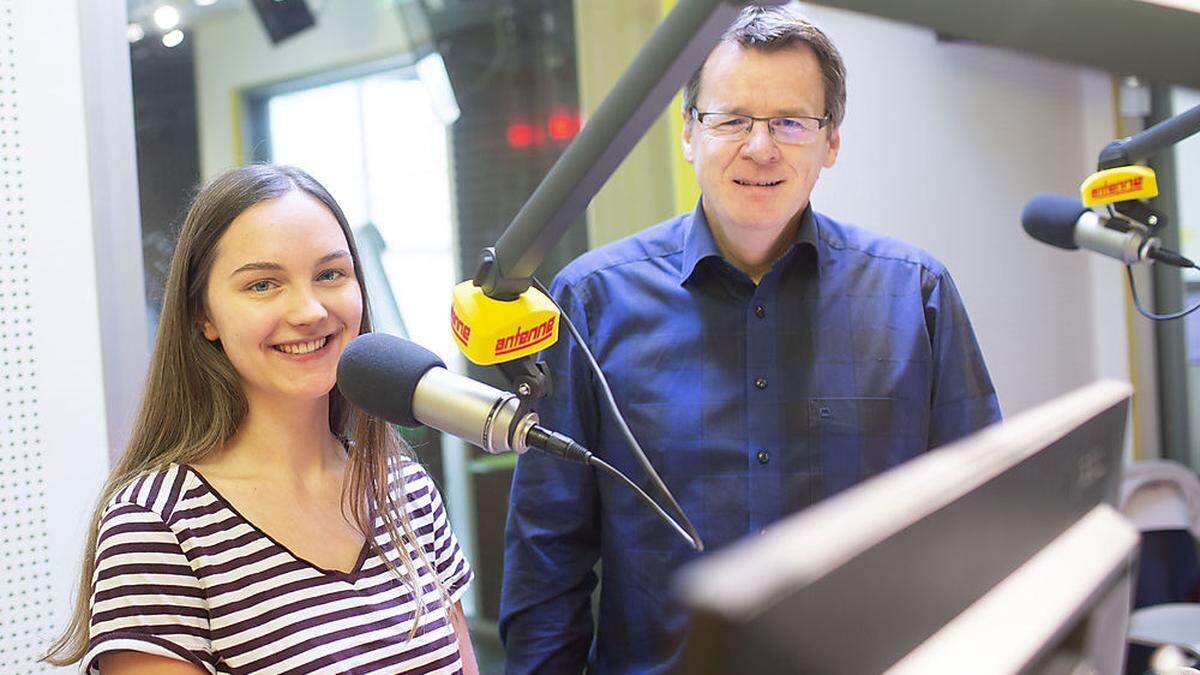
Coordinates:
(698, 241)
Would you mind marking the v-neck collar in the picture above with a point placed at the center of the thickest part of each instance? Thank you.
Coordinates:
(350, 577)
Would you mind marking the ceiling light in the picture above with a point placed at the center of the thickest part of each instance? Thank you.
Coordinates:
(166, 17)
(173, 38)
(134, 33)
(205, 3)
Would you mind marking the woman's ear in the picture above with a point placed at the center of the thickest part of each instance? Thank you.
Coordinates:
(209, 330)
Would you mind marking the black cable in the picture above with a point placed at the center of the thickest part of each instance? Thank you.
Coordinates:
(692, 535)
(1137, 302)
(610, 471)
(564, 447)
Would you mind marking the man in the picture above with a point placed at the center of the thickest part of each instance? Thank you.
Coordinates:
(765, 356)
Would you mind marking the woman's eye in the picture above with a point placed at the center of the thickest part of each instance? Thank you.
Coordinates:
(331, 275)
(260, 286)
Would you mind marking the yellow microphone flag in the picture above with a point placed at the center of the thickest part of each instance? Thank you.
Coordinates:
(1120, 184)
(492, 331)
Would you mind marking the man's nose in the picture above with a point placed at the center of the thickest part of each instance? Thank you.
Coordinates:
(760, 145)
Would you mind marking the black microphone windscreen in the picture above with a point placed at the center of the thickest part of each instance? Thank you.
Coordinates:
(379, 373)
(1051, 218)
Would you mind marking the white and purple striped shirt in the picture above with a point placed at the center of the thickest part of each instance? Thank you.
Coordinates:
(180, 573)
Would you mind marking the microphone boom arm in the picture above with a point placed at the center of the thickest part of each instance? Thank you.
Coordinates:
(1150, 142)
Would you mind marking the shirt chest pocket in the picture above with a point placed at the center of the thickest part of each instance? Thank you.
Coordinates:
(859, 437)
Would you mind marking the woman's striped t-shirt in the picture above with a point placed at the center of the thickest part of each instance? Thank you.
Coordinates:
(180, 573)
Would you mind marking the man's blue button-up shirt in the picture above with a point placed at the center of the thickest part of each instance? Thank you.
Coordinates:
(753, 401)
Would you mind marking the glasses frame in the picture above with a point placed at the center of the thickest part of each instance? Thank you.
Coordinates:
(822, 122)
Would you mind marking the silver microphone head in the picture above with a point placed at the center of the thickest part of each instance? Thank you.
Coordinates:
(1091, 233)
(473, 411)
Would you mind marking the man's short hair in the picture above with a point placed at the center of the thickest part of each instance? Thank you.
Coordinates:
(782, 27)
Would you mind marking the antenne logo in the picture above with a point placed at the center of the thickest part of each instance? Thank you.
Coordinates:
(462, 332)
(1120, 187)
(522, 339)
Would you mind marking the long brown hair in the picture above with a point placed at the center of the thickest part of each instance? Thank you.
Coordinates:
(193, 402)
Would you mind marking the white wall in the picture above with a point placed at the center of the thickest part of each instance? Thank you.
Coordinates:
(1187, 178)
(1187, 168)
(72, 317)
(942, 146)
(233, 53)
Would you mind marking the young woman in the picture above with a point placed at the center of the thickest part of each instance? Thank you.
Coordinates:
(257, 521)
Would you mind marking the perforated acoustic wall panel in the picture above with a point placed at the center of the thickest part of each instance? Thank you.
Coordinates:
(26, 592)
(70, 299)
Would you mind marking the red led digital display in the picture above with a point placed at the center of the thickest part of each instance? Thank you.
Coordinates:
(562, 125)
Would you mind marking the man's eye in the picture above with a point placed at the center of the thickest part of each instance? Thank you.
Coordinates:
(789, 123)
(732, 123)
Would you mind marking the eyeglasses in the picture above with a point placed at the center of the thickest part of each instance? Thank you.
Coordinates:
(734, 127)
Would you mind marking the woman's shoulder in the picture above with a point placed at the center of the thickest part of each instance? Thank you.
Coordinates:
(147, 519)
(412, 484)
(159, 492)
(407, 474)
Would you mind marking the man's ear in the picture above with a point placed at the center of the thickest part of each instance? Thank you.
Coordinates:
(686, 140)
(835, 143)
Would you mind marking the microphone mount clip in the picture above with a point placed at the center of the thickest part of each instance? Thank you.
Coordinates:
(1139, 214)
(530, 379)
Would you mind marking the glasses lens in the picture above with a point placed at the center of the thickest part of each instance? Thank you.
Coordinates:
(796, 130)
(722, 125)
(729, 126)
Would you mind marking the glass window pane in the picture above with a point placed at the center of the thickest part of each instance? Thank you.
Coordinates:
(319, 131)
(409, 186)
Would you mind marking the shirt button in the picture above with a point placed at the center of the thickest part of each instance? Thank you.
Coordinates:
(760, 311)
(763, 456)
(761, 383)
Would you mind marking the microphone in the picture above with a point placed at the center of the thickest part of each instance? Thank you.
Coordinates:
(1064, 222)
(401, 382)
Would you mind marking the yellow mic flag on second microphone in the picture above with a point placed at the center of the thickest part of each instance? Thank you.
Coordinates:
(1120, 184)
